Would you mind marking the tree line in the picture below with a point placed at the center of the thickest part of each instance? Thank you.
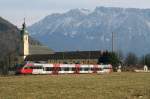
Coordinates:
(129, 62)
(9, 61)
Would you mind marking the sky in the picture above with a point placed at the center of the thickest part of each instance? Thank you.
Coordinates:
(34, 10)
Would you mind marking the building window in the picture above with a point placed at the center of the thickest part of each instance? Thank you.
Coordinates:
(83, 62)
(65, 62)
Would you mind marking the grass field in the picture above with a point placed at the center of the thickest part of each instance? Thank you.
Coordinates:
(85, 86)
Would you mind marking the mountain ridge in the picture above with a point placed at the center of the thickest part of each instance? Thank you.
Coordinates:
(76, 30)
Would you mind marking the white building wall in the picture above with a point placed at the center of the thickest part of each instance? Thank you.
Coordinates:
(26, 45)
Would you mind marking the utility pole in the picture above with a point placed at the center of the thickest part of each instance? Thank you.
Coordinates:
(63, 56)
(112, 42)
(116, 41)
(89, 57)
(144, 59)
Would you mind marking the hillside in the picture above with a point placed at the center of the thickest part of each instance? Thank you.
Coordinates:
(81, 29)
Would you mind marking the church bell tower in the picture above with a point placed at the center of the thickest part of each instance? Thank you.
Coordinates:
(25, 40)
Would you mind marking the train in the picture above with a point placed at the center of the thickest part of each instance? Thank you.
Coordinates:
(38, 68)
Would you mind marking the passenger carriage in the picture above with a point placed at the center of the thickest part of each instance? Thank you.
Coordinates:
(38, 68)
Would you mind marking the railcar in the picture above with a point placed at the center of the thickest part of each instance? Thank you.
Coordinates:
(38, 68)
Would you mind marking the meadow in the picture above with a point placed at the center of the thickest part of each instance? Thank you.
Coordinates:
(76, 86)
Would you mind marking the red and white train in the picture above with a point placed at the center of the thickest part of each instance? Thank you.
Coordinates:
(38, 68)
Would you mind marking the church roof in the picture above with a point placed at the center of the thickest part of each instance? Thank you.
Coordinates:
(39, 49)
(65, 55)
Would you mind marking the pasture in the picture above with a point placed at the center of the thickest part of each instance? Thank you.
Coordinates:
(81, 86)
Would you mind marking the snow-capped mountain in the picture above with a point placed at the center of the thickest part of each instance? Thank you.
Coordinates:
(81, 29)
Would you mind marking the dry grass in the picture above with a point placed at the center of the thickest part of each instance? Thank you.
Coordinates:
(90, 86)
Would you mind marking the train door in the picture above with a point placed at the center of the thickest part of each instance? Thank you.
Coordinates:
(56, 68)
(77, 68)
(47, 69)
(37, 69)
(95, 68)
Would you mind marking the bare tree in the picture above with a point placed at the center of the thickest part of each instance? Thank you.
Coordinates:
(131, 59)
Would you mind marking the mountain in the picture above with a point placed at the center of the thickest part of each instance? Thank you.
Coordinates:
(81, 29)
(10, 39)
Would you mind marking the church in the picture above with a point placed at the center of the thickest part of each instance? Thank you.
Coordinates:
(27, 48)
(42, 54)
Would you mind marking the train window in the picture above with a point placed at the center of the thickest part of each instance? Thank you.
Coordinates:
(37, 67)
(53, 68)
(89, 68)
(48, 68)
(95, 69)
(81, 69)
(25, 67)
(56, 69)
(106, 68)
(70, 69)
(62, 69)
(73, 69)
(66, 69)
(28, 67)
(100, 69)
(86, 69)
(31, 67)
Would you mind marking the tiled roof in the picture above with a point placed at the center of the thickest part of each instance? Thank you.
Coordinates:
(37, 49)
(65, 55)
